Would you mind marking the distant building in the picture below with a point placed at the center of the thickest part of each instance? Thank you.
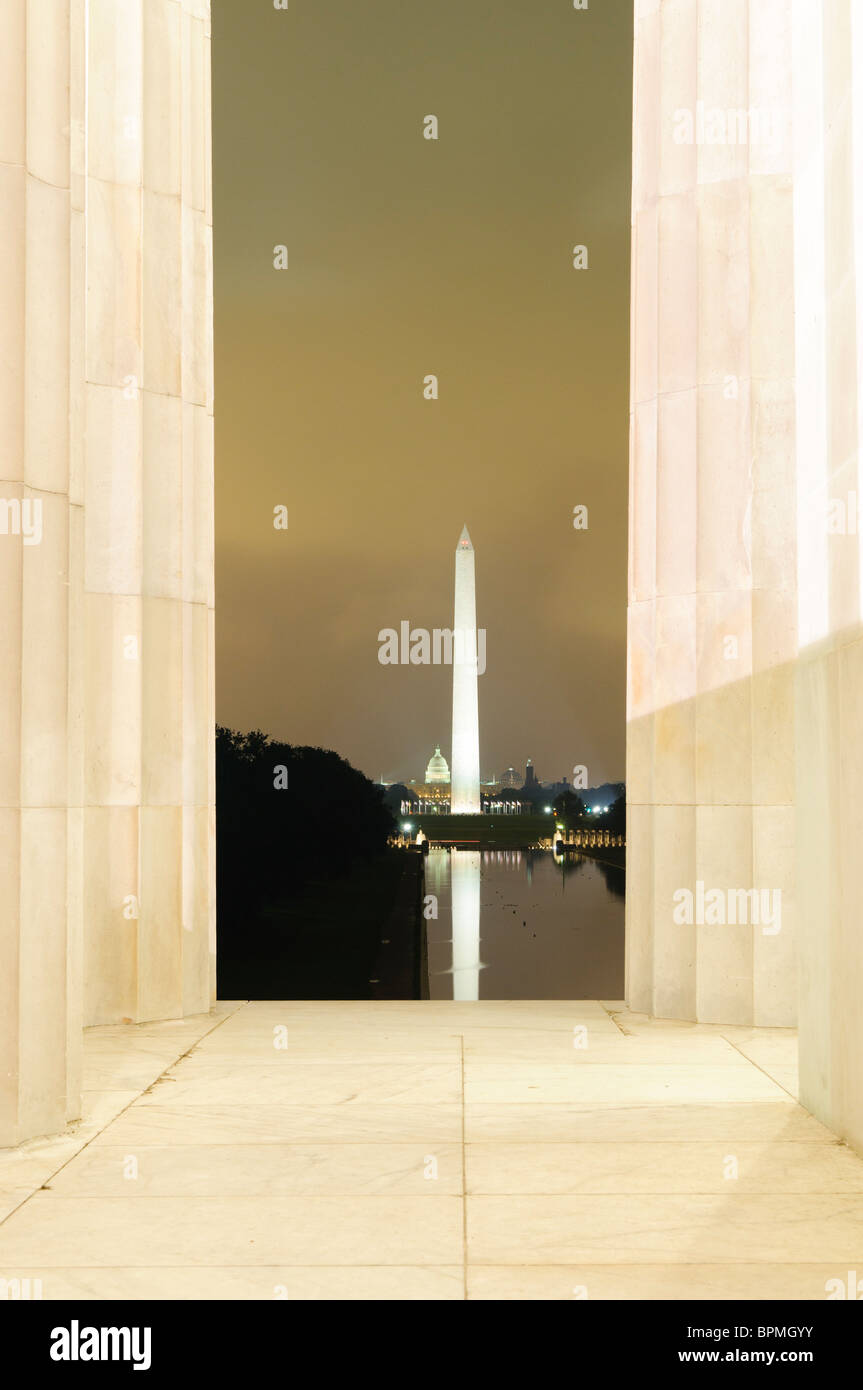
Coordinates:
(510, 778)
(437, 772)
(433, 793)
(558, 788)
(530, 782)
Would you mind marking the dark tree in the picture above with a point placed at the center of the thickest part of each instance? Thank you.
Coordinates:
(395, 794)
(283, 815)
(533, 797)
(508, 794)
(568, 806)
(615, 817)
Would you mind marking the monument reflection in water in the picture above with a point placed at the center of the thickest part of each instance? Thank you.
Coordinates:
(465, 879)
(522, 924)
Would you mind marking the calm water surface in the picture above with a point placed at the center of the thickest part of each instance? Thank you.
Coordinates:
(519, 924)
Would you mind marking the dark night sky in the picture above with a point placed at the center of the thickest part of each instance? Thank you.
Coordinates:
(409, 257)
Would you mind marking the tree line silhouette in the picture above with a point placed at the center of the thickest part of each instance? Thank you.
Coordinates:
(286, 814)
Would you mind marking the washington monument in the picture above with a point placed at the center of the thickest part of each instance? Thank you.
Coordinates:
(464, 788)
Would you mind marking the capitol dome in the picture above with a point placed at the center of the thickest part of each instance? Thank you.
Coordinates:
(437, 771)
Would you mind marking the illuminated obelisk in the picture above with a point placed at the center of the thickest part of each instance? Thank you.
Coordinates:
(464, 787)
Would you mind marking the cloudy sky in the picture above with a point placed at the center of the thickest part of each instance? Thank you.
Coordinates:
(409, 257)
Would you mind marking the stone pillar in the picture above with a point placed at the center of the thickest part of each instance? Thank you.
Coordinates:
(712, 576)
(148, 486)
(106, 685)
(828, 72)
(746, 522)
(40, 1024)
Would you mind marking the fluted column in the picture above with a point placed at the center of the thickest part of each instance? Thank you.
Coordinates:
(746, 521)
(148, 696)
(712, 618)
(107, 886)
(829, 689)
(39, 940)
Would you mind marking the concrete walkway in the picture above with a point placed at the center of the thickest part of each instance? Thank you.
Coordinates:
(431, 1150)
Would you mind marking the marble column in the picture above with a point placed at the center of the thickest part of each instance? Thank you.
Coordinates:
(107, 898)
(712, 582)
(745, 759)
(828, 70)
(148, 492)
(40, 1019)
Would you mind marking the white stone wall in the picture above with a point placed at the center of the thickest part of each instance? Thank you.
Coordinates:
(106, 773)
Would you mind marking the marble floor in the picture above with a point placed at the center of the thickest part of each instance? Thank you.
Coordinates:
(434, 1150)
